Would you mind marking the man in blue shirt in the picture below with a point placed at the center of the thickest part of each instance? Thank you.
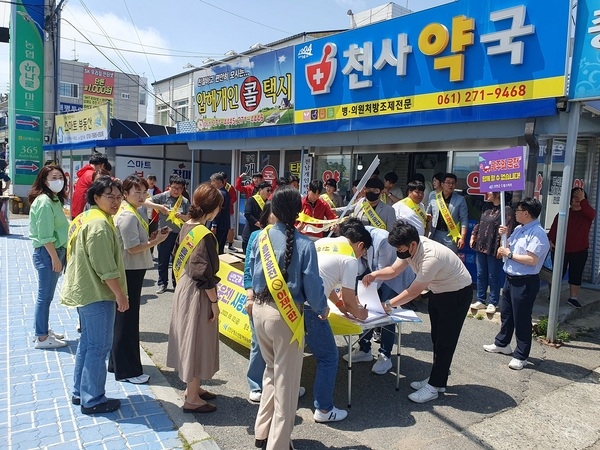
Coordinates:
(525, 252)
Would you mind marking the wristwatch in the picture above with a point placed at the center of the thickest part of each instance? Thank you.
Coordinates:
(510, 255)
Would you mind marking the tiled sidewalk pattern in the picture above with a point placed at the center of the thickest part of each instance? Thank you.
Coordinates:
(35, 385)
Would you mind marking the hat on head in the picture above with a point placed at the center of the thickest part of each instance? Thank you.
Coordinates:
(331, 182)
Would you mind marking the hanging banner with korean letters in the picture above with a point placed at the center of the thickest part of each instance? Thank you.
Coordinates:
(87, 125)
(585, 84)
(502, 170)
(246, 92)
(98, 87)
(27, 95)
(453, 61)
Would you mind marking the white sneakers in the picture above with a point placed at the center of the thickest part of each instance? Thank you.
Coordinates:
(359, 356)
(55, 334)
(493, 348)
(478, 305)
(382, 365)
(335, 415)
(140, 379)
(255, 396)
(491, 309)
(50, 342)
(517, 364)
(425, 394)
(417, 385)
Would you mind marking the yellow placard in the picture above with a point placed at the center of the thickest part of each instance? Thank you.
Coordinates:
(233, 319)
(87, 125)
(484, 95)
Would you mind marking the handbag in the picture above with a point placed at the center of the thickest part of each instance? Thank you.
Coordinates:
(546, 270)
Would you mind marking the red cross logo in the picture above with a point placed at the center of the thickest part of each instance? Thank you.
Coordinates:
(320, 75)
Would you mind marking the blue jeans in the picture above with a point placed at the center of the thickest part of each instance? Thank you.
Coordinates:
(321, 342)
(47, 285)
(165, 249)
(489, 273)
(256, 364)
(97, 322)
(388, 332)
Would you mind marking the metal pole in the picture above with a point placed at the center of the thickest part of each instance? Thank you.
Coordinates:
(563, 214)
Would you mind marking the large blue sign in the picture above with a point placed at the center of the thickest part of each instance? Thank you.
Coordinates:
(585, 83)
(460, 57)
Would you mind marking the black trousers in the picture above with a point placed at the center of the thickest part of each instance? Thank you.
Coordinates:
(447, 313)
(518, 296)
(124, 358)
(165, 249)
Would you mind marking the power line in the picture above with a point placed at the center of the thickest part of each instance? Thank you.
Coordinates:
(138, 36)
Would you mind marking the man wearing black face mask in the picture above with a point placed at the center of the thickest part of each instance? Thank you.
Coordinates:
(438, 269)
(372, 211)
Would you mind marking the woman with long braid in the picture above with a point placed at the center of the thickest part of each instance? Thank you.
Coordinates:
(283, 264)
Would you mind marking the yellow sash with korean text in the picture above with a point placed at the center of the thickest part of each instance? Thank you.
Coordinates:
(279, 290)
(335, 247)
(416, 209)
(373, 217)
(259, 200)
(82, 219)
(453, 229)
(125, 206)
(185, 249)
(171, 217)
(328, 200)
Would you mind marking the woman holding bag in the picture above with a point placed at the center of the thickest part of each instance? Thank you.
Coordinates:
(193, 348)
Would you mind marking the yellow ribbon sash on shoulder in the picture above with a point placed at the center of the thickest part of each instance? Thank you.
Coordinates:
(259, 200)
(279, 289)
(185, 249)
(82, 219)
(453, 229)
(125, 206)
(328, 200)
(171, 217)
(334, 246)
(416, 209)
(227, 187)
(323, 224)
(373, 217)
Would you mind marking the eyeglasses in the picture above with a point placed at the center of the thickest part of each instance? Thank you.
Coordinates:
(450, 183)
(113, 198)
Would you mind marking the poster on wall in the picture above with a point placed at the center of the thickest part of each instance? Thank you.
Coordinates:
(181, 168)
(88, 125)
(250, 91)
(98, 87)
(142, 167)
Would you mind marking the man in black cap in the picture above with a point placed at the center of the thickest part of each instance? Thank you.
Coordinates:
(250, 189)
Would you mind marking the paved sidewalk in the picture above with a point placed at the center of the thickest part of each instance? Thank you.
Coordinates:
(35, 385)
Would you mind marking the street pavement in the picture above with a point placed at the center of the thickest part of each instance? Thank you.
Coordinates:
(553, 403)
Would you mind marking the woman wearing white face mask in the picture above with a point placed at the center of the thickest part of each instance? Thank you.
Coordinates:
(48, 231)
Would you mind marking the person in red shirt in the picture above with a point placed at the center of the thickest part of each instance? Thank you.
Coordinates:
(84, 181)
(581, 216)
(232, 199)
(250, 189)
(314, 206)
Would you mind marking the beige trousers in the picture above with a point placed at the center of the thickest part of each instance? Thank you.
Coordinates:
(281, 380)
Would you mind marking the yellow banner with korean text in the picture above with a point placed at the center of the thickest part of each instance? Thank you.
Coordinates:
(484, 95)
(233, 319)
(86, 125)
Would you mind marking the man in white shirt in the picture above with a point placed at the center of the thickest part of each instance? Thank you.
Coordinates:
(440, 270)
(411, 208)
(338, 268)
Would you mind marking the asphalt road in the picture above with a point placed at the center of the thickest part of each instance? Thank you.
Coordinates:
(481, 391)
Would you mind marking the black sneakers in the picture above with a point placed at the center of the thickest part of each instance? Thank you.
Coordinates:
(574, 303)
(112, 404)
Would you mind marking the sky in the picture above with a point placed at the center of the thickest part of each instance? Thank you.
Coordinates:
(156, 41)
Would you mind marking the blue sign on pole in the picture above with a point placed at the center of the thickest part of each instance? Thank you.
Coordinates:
(585, 83)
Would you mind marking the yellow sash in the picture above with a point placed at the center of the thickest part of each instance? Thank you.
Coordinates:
(184, 251)
(171, 216)
(82, 219)
(279, 289)
(227, 187)
(416, 209)
(328, 200)
(373, 217)
(126, 206)
(335, 246)
(259, 200)
(453, 229)
(383, 197)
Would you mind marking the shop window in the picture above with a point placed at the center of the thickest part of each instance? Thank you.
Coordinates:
(336, 167)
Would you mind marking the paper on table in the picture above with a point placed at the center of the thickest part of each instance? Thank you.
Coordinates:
(369, 297)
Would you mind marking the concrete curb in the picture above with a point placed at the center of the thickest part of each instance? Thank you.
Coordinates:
(170, 400)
